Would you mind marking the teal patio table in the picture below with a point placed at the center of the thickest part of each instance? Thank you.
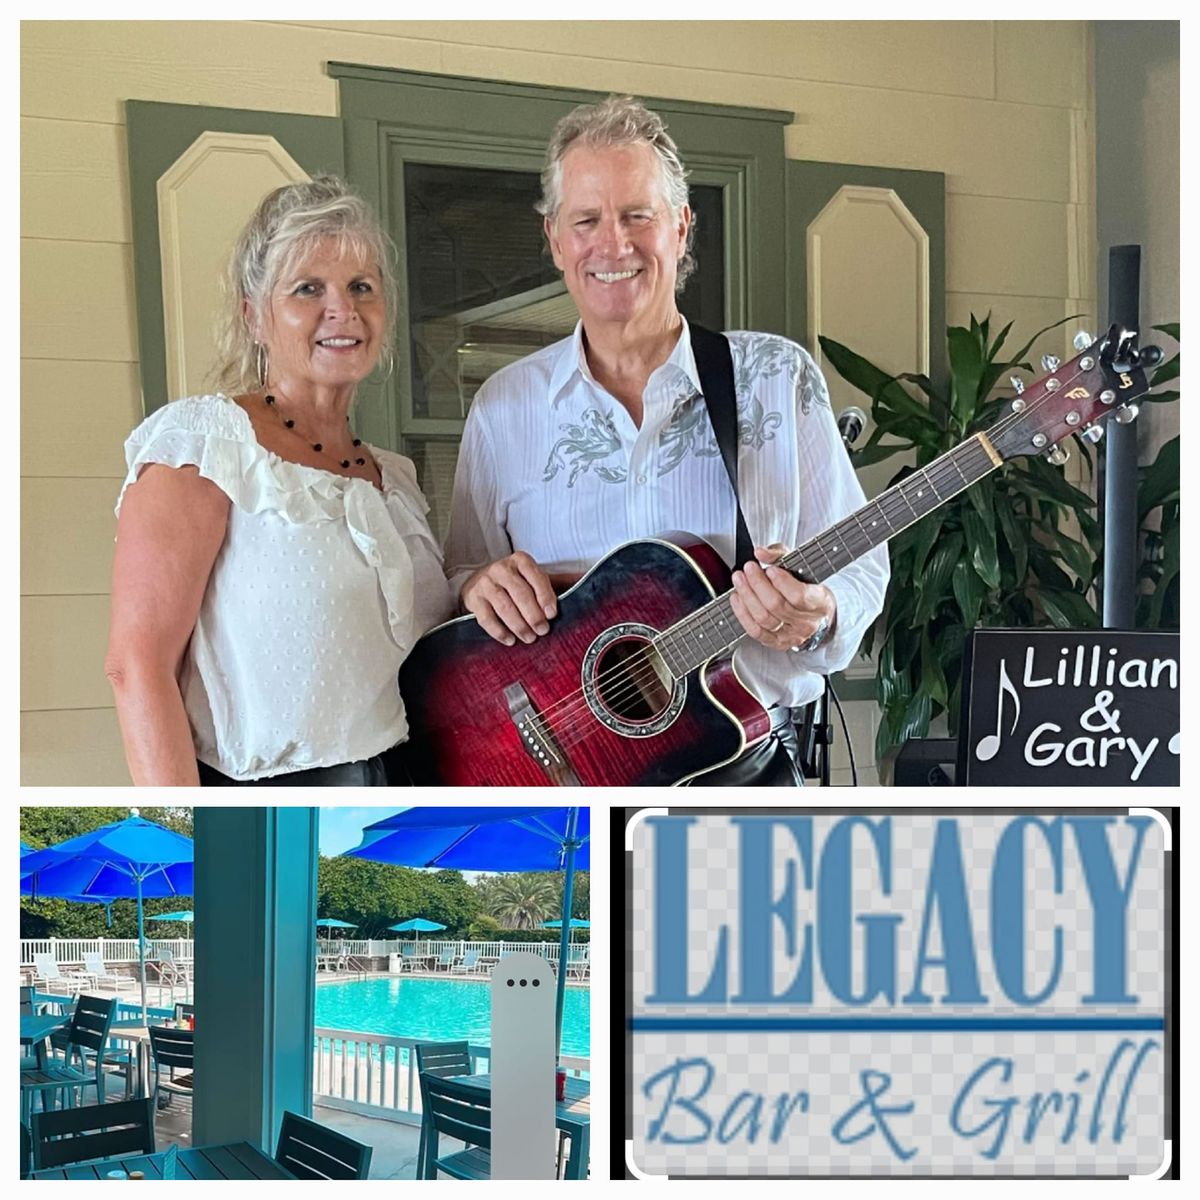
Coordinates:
(36, 1029)
(239, 1160)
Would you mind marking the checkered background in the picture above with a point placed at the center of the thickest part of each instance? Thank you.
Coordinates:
(927, 1069)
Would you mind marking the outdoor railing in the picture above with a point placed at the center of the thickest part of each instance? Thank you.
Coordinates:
(112, 950)
(376, 1075)
(125, 950)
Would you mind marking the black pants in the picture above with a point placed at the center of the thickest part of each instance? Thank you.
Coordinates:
(367, 772)
(774, 762)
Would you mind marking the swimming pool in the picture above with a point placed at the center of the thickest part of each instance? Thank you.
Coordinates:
(435, 1010)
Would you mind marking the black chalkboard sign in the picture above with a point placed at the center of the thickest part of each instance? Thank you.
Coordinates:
(1060, 707)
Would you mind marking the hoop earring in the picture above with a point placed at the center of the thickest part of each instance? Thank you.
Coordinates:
(261, 363)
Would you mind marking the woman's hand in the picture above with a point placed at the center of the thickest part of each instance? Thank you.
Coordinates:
(171, 527)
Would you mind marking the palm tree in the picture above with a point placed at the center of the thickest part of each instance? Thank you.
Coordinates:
(523, 901)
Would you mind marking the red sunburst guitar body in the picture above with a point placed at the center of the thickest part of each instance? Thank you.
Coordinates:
(581, 705)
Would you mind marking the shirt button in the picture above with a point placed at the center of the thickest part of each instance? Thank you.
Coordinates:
(641, 479)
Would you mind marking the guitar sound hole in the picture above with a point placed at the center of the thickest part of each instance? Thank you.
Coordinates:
(632, 680)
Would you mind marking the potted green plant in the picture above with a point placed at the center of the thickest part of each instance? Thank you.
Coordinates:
(1005, 552)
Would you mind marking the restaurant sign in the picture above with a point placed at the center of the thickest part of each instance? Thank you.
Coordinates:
(816, 993)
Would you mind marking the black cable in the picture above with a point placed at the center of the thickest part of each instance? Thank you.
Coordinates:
(845, 732)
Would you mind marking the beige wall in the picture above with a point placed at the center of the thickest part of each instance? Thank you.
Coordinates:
(1002, 108)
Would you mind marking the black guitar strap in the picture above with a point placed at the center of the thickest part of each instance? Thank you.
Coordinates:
(714, 362)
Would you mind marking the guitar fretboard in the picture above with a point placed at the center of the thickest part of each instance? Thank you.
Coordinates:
(714, 630)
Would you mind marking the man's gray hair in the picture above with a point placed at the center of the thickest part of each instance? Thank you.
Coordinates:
(619, 121)
(284, 228)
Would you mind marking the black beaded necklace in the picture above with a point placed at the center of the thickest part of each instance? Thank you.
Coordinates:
(317, 446)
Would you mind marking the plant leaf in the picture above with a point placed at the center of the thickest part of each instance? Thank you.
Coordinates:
(1171, 329)
(968, 593)
(1159, 481)
(933, 682)
(1048, 485)
(981, 541)
(915, 722)
(1075, 555)
(966, 367)
(932, 584)
(1014, 538)
(1067, 609)
(882, 388)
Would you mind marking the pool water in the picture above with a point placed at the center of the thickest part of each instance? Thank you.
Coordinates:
(435, 1010)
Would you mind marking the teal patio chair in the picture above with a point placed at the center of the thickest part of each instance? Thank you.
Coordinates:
(310, 1151)
(75, 1135)
(174, 1053)
(441, 1060)
(462, 1112)
(88, 1034)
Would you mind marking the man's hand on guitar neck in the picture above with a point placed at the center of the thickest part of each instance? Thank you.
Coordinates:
(511, 598)
(777, 609)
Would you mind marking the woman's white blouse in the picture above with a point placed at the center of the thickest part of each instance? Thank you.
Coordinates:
(320, 589)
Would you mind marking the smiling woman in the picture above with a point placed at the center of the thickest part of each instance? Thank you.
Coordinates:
(272, 570)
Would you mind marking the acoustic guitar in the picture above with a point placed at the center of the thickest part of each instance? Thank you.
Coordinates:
(634, 683)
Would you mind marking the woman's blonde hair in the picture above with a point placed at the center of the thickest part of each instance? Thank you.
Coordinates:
(619, 121)
(284, 228)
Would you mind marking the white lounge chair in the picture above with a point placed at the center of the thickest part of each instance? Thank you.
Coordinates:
(48, 975)
(469, 964)
(172, 971)
(445, 959)
(93, 964)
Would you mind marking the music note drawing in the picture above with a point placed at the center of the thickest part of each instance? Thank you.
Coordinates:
(989, 746)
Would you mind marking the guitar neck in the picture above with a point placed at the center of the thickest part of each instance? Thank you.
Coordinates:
(714, 630)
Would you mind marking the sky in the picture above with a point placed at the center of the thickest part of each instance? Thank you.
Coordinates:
(341, 830)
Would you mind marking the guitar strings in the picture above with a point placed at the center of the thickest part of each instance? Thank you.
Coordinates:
(633, 674)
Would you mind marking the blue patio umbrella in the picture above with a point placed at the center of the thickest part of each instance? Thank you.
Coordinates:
(488, 839)
(417, 925)
(184, 917)
(130, 859)
(333, 923)
(575, 923)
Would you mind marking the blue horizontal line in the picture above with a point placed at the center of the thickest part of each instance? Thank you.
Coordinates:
(874, 1024)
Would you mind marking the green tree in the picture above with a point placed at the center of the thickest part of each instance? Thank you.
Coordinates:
(525, 900)
(376, 895)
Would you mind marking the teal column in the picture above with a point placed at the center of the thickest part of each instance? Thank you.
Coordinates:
(256, 902)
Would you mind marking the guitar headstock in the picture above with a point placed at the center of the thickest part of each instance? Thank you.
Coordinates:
(1079, 396)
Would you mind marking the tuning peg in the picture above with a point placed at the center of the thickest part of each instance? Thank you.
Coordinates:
(1150, 356)
(1093, 433)
(1018, 385)
(1050, 363)
(1082, 340)
(1058, 456)
(1127, 414)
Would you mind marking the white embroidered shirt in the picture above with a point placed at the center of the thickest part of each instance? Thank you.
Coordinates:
(552, 464)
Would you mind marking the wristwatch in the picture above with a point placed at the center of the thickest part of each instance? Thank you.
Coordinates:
(817, 638)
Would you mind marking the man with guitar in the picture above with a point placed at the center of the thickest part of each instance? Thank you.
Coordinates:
(606, 437)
